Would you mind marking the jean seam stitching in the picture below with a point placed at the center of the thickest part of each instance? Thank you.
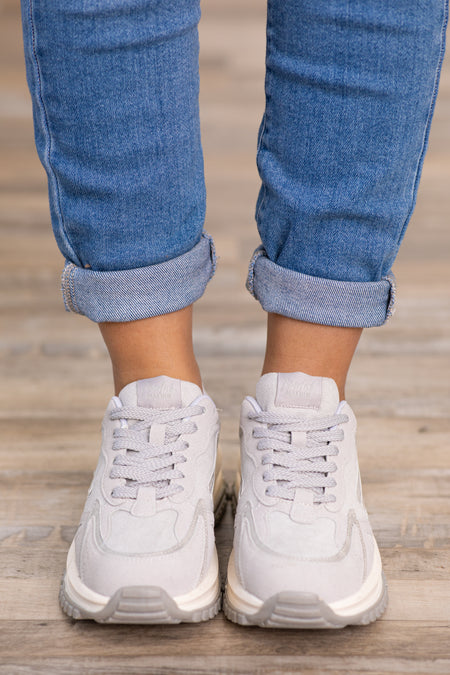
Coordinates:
(428, 122)
(391, 305)
(65, 287)
(46, 125)
(68, 288)
(213, 253)
(264, 129)
(251, 269)
(72, 289)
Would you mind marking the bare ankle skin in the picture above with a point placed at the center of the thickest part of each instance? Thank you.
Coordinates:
(160, 345)
(311, 348)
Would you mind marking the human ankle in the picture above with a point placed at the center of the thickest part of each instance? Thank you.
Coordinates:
(150, 347)
(324, 351)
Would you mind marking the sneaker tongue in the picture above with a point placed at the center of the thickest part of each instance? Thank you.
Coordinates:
(161, 392)
(298, 392)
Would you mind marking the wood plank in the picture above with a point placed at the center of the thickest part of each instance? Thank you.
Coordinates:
(57, 379)
(227, 665)
(387, 638)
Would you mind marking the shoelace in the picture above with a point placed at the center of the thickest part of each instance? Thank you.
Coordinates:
(150, 464)
(291, 466)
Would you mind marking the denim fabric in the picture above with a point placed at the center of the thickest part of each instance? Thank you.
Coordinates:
(140, 292)
(350, 89)
(359, 304)
(114, 85)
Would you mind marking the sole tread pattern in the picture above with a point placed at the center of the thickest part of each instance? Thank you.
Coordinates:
(140, 604)
(303, 610)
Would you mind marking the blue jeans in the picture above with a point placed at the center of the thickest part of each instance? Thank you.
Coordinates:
(350, 91)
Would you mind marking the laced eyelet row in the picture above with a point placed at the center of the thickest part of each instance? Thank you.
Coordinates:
(292, 467)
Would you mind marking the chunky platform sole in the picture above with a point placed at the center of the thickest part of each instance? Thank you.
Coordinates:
(145, 604)
(290, 609)
(139, 604)
(302, 610)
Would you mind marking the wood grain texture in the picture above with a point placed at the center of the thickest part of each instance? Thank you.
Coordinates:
(55, 380)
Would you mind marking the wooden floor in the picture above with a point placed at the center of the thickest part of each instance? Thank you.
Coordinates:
(55, 382)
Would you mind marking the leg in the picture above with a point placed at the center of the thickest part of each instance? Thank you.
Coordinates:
(114, 85)
(356, 95)
(160, 345)
(350, 93)
(294, 345)
(350, 90)
(118, 132)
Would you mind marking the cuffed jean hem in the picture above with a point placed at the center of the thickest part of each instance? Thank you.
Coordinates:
(328, 302)
(128, 295)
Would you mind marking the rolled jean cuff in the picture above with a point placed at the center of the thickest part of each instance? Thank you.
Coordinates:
(142, 292)
(318, 300)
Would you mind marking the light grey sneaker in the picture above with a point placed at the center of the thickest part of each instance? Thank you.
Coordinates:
(144, 551)
(304, 554)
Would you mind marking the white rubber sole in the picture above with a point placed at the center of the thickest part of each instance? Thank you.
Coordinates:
(291, 609)
(139, 604)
